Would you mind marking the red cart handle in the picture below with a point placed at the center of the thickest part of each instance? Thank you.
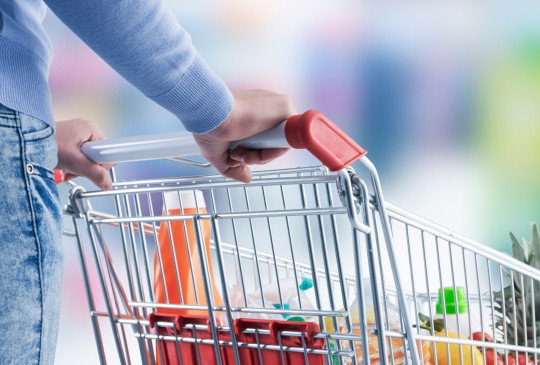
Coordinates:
(325, 140)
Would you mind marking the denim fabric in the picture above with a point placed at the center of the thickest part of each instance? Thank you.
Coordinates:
(30, 241)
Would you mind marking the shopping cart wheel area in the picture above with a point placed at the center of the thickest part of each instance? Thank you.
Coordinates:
(305, 265)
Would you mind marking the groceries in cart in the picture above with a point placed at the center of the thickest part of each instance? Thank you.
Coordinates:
(453, 310)
(449, 354)
(179, 268)
(285, 294)
(395, 347)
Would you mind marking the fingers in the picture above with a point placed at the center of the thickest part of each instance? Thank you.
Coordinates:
(96, 132)
(70, 135)
(253, 111)
(108, 165)
(261, 157)
(234, 163)
(237, 165)
(230, 167)
(98, 175)
(69, 176)
(256, 157)
(238, 154)
(241, 173)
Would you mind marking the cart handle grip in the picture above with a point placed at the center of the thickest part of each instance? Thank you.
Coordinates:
(311, 130)
(314, 132)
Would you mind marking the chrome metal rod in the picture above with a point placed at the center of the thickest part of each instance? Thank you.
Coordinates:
(178, 144)
(407, 323)
(292, 180)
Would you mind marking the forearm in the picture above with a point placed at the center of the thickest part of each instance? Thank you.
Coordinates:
(142, 40)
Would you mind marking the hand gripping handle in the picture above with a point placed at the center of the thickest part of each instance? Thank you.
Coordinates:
(311, 131)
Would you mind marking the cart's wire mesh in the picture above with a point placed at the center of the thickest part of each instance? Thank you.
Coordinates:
(282, 249)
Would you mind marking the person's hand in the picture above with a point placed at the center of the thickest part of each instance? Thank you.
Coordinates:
(253, 112)
(70, 135)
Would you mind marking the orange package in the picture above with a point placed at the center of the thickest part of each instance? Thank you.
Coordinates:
(180, 275)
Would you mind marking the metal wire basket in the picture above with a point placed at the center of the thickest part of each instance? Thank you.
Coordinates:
(301, 266)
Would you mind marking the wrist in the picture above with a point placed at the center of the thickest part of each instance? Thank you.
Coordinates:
(201, 100)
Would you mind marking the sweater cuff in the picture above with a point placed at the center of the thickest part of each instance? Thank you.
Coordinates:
(201, 100)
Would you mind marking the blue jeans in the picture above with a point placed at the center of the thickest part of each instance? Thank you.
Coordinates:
(30, 241)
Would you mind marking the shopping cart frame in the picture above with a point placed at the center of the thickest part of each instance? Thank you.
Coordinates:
(358, 203)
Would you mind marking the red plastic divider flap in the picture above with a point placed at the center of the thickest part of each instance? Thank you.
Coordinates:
(155, 317)
(275, 327)
(176, 353)
(309, 328)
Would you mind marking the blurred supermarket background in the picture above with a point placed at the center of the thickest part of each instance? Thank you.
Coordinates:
(444, 95)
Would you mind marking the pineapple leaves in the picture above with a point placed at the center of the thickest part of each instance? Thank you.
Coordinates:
(517, 303)
(517, 250)
(535, 246)
(432, 325)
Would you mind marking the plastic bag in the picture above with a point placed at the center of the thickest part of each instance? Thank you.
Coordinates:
(293, 296)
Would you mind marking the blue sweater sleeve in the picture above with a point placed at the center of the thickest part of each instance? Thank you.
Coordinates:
(143, 41)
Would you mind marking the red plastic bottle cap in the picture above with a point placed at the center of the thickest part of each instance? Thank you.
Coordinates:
(325, 140)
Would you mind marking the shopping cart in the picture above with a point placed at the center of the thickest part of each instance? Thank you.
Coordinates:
(301, 266)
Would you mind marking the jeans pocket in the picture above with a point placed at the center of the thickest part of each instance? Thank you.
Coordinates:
(40, 147)
(37, 131)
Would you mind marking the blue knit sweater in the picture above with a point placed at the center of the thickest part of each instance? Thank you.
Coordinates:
(140, 39)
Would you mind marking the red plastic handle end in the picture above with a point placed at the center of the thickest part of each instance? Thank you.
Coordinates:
(59, 176)
(325, 140)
